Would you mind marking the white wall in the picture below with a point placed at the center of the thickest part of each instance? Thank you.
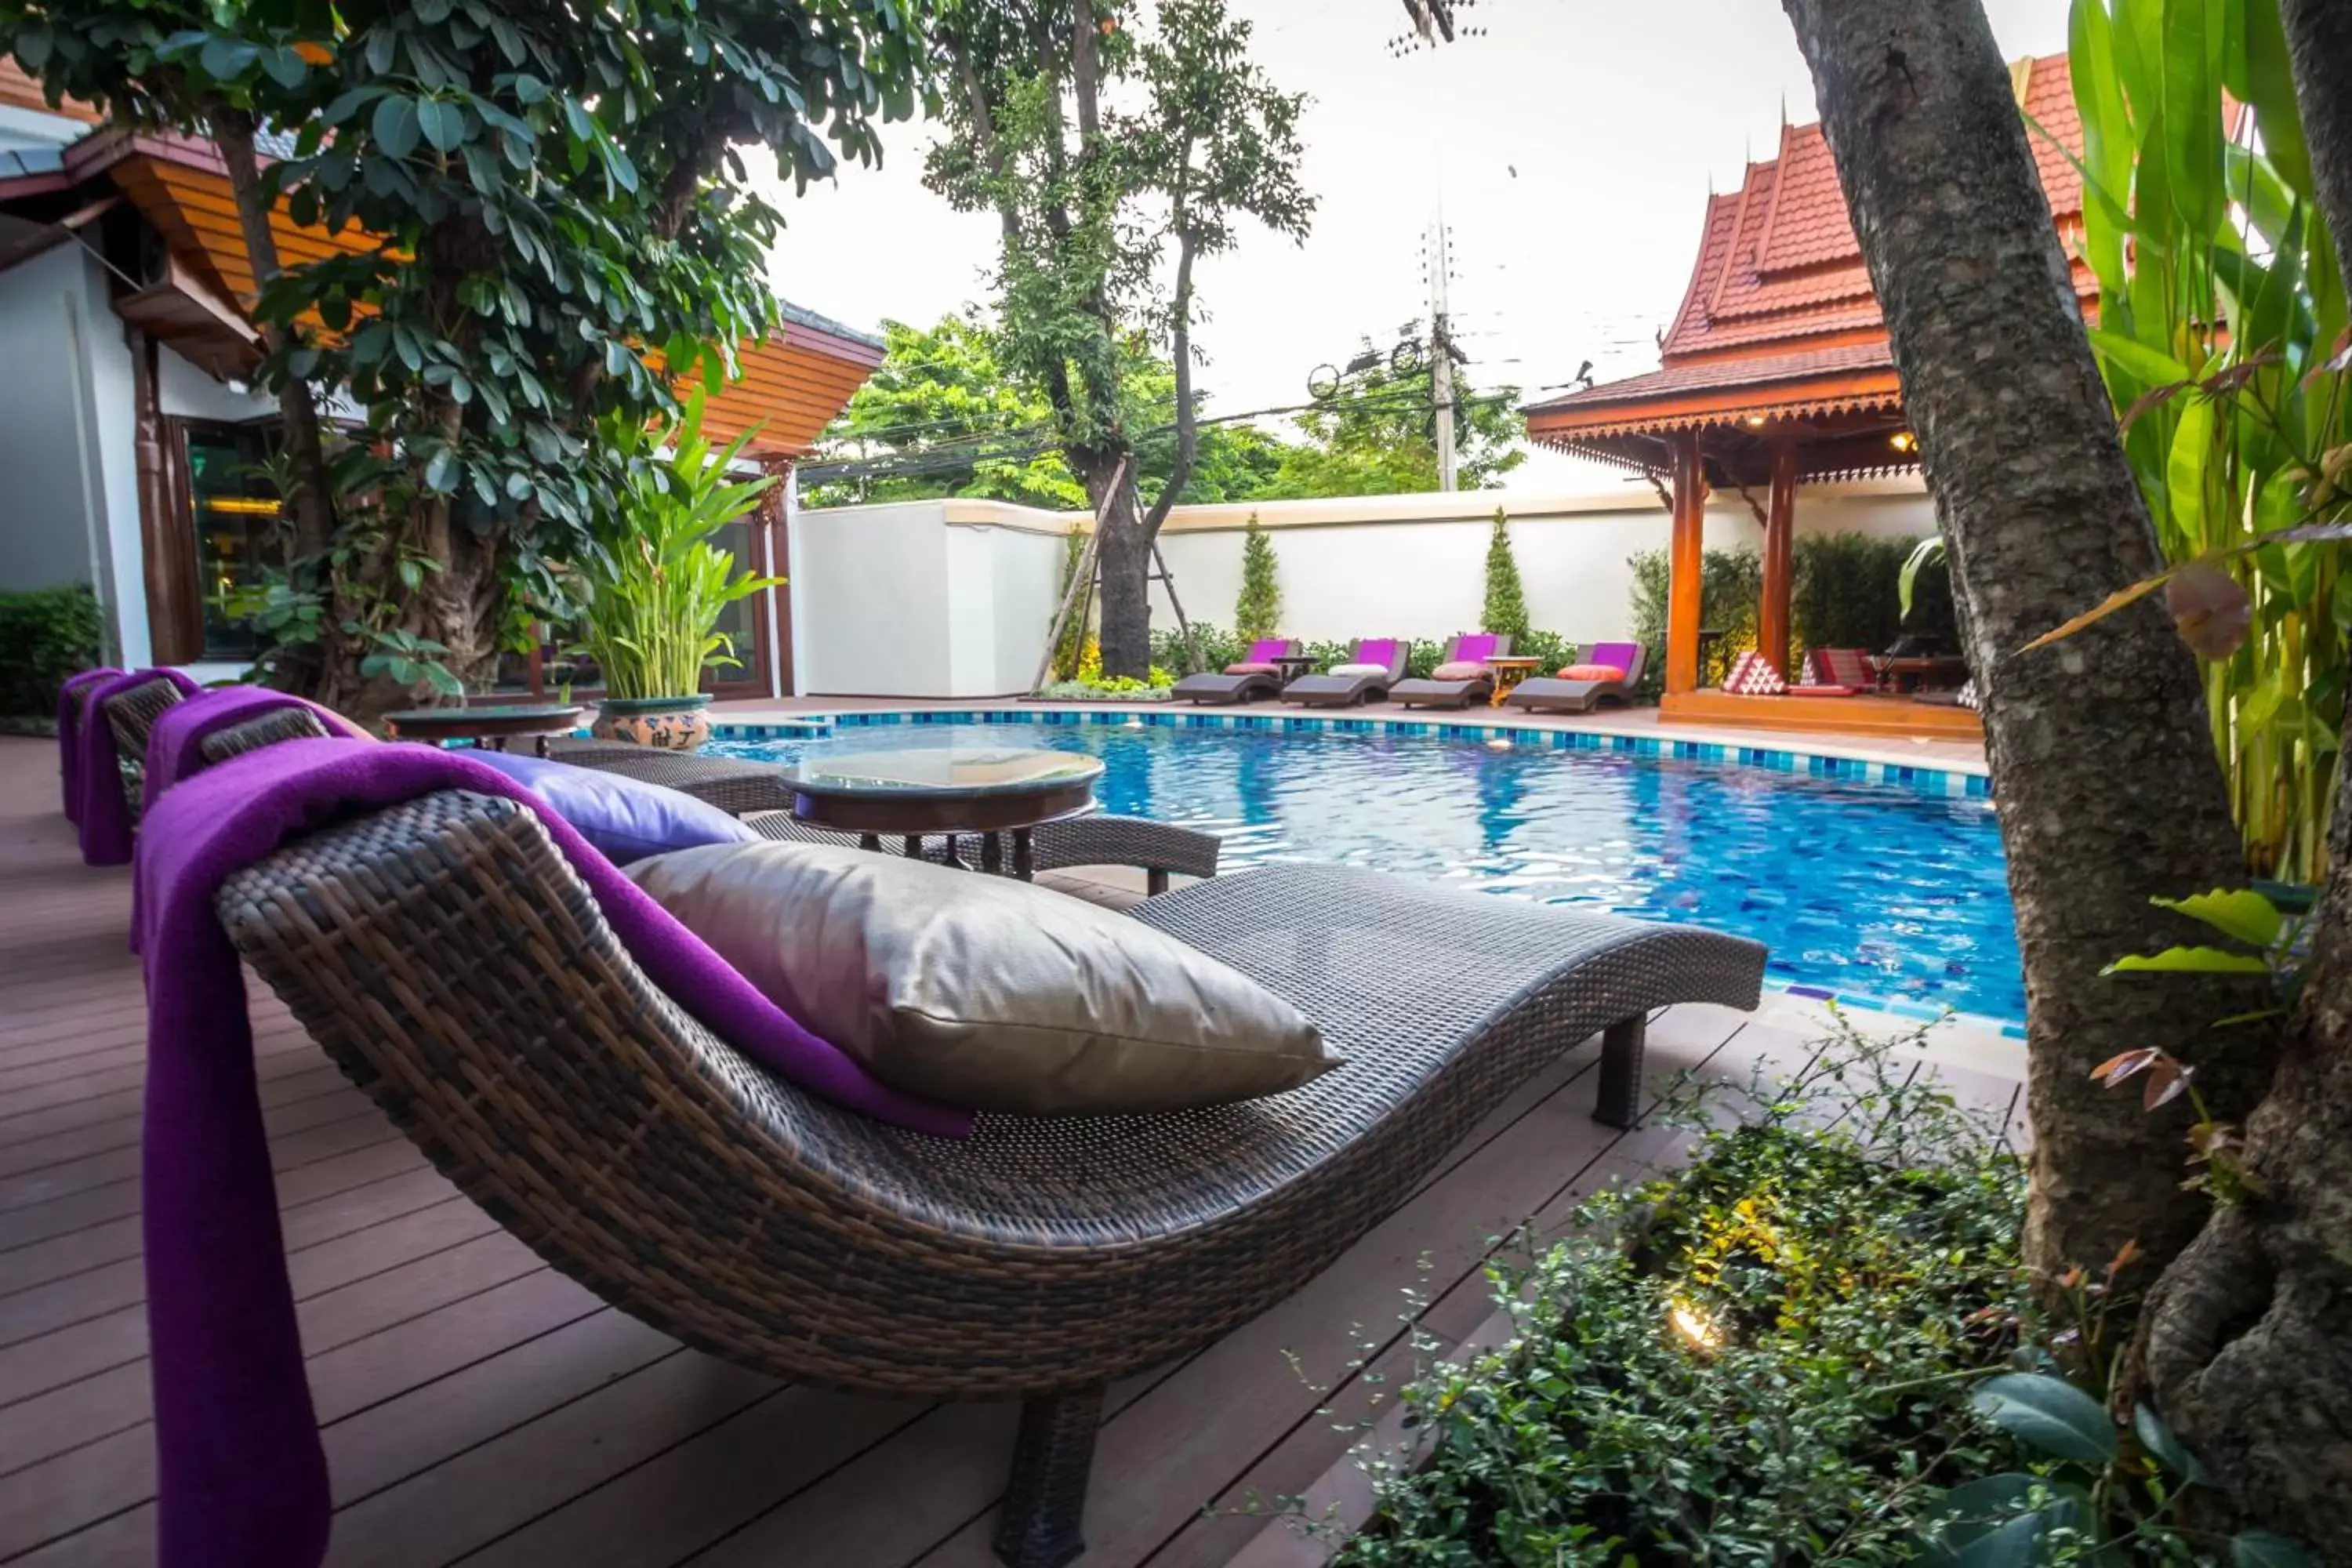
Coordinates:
(923, 598)
(1415, 565)
(69, 512)
(955, 598)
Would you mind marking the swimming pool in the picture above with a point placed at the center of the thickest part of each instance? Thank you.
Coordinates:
(1861, 890)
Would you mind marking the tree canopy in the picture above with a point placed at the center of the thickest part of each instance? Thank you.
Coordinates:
(943, 416)
(563, 224)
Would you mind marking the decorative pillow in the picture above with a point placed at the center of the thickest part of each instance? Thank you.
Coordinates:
(1461, 670)
(1592, 672)
(1246, 668)
(626, 819)
(982, 991)
(1357, 671)
(1842, 666)
(1752, 674)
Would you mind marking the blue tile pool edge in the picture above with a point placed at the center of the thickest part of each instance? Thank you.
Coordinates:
(1949, 781)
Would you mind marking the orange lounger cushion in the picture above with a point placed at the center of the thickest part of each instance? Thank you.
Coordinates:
(1591, 673)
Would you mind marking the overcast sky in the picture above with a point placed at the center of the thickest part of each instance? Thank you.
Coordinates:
(1572, 149)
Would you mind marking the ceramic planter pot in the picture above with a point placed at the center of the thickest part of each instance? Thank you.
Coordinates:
(667, 723)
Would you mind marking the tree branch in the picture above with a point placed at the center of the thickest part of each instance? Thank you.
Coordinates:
(1188, 423)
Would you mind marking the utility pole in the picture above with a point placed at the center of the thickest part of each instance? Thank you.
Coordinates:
(1441, 353)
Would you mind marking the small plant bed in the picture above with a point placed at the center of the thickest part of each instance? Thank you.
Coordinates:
(1813, 1344)
(1117, 689)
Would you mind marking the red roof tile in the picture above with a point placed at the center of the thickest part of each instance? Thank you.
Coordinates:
(1777, 262)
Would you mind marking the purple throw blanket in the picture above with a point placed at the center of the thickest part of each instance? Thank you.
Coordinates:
(70, 703)
(241, 1478)
(105, 817)
(175, 745)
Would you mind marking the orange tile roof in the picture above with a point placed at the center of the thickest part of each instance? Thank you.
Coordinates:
(1778, 319)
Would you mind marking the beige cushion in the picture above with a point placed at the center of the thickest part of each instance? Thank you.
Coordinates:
(1461, 670)
(1354, 670)
(984, 991)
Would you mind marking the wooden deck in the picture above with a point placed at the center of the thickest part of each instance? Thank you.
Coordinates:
(479, 1408)
(1868, 717)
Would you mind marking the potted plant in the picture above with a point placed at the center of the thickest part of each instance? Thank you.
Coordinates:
(652, 590)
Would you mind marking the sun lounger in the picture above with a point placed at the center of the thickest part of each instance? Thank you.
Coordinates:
(1849, 667)
(1373, 664)
(1455, 691)
(1031, 1261)
(1252, 678)
(1564, 694)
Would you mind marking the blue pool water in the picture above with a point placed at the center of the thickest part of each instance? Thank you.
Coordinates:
(1865, 889)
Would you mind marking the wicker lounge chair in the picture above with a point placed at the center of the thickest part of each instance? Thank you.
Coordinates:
(1254, 677)
(1337, 691)
(1556, 694)
(1037, 1259)
(1465, 649)
(757, 793)
(131, 714)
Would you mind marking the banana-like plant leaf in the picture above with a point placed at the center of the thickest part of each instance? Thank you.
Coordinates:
(2188, 961)
(2241, 912)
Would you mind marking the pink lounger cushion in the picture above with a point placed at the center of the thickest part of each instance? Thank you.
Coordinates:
(1591, 673)
(1460, 669)
(1752, 674)
(1246, 668)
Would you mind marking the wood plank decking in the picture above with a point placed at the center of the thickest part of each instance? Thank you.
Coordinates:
(479, 1408)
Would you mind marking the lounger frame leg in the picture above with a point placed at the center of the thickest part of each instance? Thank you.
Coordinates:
(1045, 1500)
(1619, 1101)
(1155, 881)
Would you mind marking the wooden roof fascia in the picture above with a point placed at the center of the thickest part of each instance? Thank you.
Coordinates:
(1780, 186)
(1695, 290)
(1833, 392)
(1731, 248)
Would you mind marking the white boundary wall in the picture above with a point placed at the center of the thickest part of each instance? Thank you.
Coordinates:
(954, 598)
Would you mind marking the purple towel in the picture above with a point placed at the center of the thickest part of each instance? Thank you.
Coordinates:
(175, 745)
(1622, 655)
(69, 735)
(105, 811)
(1380, 651)
(1265, 650)
(241, 1478)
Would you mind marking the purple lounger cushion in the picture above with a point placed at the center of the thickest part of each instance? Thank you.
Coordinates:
(1623, 655)
(105, 817)
(625, 818)
(176, 746)
(1473, 649)
(241, 1479)
(1265, 650)
(69, 707)
(1381, 651)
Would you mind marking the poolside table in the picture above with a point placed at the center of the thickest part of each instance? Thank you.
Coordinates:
(489, 726)
(1509, 670)
(916, 791)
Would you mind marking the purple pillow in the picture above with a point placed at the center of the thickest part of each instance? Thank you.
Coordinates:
(626, 819)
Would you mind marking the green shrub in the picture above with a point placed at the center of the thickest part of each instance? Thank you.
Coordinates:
(1731, 583)
(1257, 612)
(1843, 595)
(1218, 647)
(1506, 604)
(1073, 644)
(1764, 1360)
(45, 635)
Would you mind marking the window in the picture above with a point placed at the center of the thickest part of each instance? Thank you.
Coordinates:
(233, 504)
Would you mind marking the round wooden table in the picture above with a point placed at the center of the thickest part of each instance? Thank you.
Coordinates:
(1509, 670)
(917, 791)
(490, 726)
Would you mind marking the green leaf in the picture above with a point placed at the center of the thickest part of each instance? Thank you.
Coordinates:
(2240, 912)
(286, 67)
(1975, 1507)
(226, 59)
(2188, 961)
(2049, 1414)
(444, 123)
(2164, 1447)
(443, 473)
(2153, 366)
(2261, 1549)
(395, 126)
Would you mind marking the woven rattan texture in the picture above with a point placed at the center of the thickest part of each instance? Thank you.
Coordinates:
(289, 723)
(445, 954)
(131, 715)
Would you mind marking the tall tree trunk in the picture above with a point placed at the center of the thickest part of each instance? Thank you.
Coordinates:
(1124, 558)
(2248, 1334)
(2104, 770)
